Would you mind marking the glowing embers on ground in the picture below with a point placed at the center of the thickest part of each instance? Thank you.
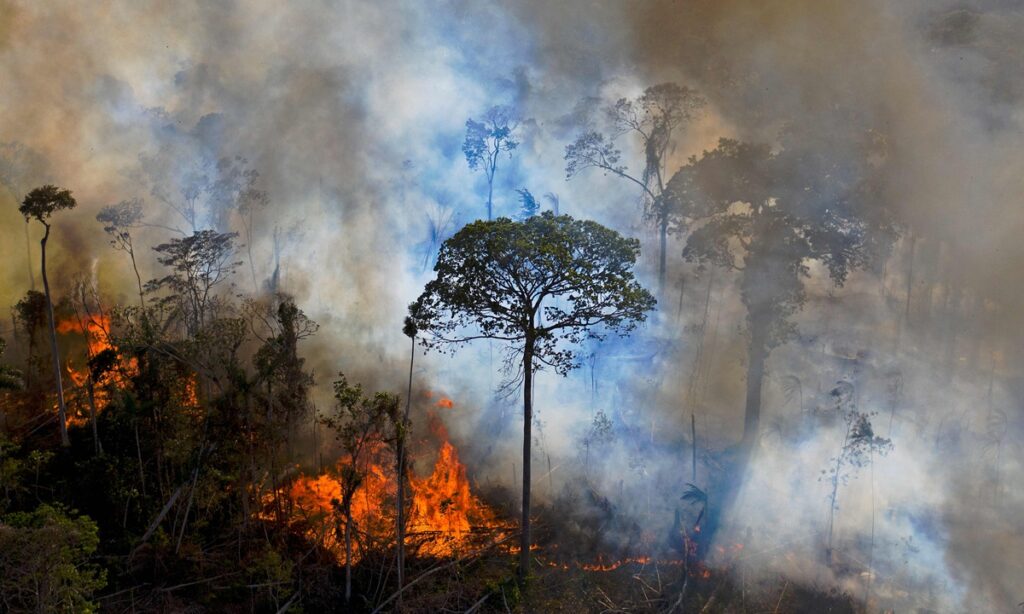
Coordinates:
(445, 517)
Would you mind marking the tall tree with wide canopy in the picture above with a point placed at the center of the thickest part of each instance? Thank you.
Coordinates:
(769, 214)
(41, 203)
(543, 285)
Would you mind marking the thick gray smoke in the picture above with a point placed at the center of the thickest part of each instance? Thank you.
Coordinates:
(353, 114)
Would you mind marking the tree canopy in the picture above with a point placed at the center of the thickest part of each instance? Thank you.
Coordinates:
(46, 200)
(493, 279)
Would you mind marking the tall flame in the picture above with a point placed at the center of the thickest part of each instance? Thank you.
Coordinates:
(96, 332)
(443, 509)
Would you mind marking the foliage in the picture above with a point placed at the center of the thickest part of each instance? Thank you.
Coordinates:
(486, 140)
(10, 378)
(44, 201)
(653, 118)
(498, 277)
(118, 221)
(198, 264)
(767, 214)
(44, 561)
(529, 206)
(494, 134)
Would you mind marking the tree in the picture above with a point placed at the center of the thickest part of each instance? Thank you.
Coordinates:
(401, 431)
(41, 203)
(486, 140)
(198, 264)
(358, 423)
(528, 205)
(767, 215)
(493, 280)
(653, 118)
(45, 561)
(30, 316)
(118, 222)
(10, 378)
(859, 446)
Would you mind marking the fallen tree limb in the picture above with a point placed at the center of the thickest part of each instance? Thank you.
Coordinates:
(156, 521)
(288, 603)
(476, 606)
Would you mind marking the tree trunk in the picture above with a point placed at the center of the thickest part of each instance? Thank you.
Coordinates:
(28, 252)
(490, 196)
(663, 243)
(98, 447)
(693, 439)
(138, 280)
(757, 354)
(348, 552)
(138, 450)
(400, 516)
(524, 538)
(61, 409)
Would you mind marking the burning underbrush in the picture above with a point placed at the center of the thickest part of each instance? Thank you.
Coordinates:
(444, 516)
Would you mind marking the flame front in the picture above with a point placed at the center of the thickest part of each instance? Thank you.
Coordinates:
(444, 513)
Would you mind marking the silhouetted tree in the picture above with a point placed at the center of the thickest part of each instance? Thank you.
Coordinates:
(492, 281)
(767, 215)
(118, 222)
(198, 264)
(653, 118)
(486, 140)
(41, 203)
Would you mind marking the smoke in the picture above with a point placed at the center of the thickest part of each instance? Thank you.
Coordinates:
(353, 114)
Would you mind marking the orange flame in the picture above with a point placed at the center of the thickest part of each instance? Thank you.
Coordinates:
(96, 331)
(443, 509)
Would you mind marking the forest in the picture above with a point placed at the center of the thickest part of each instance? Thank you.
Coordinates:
(667, 307)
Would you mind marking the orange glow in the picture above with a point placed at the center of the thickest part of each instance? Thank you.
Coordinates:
(96, 331)
(446, 403)
(443, 509)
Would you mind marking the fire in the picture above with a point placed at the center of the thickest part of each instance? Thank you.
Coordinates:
(96, 331)
(445, 403)
(444, 512)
